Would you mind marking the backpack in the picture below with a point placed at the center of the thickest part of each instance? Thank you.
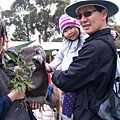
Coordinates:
(109, 107)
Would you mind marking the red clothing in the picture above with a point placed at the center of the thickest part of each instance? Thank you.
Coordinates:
(49, 78)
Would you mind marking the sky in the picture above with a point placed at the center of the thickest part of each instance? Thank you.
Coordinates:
(6, 6)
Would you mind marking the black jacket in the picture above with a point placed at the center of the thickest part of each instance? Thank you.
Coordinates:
(94, 68)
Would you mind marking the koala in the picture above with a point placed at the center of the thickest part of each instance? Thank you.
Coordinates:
(39, 78)
(32, 52)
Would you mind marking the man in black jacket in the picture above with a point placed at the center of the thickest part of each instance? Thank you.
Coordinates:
(94, 67)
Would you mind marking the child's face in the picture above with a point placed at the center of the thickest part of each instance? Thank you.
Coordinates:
(71, 33)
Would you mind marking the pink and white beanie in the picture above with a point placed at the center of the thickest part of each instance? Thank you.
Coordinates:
(66, 21)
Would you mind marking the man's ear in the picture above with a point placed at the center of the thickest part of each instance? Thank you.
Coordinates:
(105, 13)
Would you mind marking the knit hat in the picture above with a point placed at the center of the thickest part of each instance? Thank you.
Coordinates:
(66, 21)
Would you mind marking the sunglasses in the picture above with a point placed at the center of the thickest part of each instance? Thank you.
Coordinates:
(86, 14)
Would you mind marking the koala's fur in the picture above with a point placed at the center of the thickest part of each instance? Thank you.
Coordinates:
(39, 77)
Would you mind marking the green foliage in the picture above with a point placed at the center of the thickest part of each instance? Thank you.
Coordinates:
(17, 84)
(57, 40)
(41, 15)
(19, 35)
(19, 81)
(19, 73)
(19, 19)
(117, 28)
(111, 22)
(117, 43)
(59, 11)
(11, 56)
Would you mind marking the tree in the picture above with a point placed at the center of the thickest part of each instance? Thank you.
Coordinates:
(117, 28)
(18, 17)
(47, 16)
(42, 15)
(111, 22)
(38, 15)
(60, 10)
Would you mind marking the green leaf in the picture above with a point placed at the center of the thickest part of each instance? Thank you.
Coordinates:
(11, 55)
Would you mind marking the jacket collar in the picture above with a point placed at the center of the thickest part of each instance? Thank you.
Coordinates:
(98, 34)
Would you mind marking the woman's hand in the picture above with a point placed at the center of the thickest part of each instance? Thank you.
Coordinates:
(17, 95)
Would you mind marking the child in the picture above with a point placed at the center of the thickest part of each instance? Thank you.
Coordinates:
(74, 37)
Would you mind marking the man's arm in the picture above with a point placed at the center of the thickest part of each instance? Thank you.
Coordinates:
(77, 74)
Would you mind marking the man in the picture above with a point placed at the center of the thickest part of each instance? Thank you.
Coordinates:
(93, 70)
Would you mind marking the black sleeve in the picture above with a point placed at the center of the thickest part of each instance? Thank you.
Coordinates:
(80, 72)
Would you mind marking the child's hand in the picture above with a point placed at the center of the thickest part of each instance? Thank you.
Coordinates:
(113, 33)
(48, 69)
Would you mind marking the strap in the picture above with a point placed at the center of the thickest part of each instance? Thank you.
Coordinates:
(115, 55)
(32, 117)
(106, 41)
(112, 99)
(113, 77)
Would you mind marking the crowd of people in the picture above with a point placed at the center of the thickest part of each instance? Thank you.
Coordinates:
(83, 64)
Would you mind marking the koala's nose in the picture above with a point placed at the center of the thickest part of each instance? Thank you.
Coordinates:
(20, 59)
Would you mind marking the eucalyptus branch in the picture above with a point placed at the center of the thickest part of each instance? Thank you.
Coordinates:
(19, 82)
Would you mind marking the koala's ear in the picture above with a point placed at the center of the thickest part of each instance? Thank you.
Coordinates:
(37, 50)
